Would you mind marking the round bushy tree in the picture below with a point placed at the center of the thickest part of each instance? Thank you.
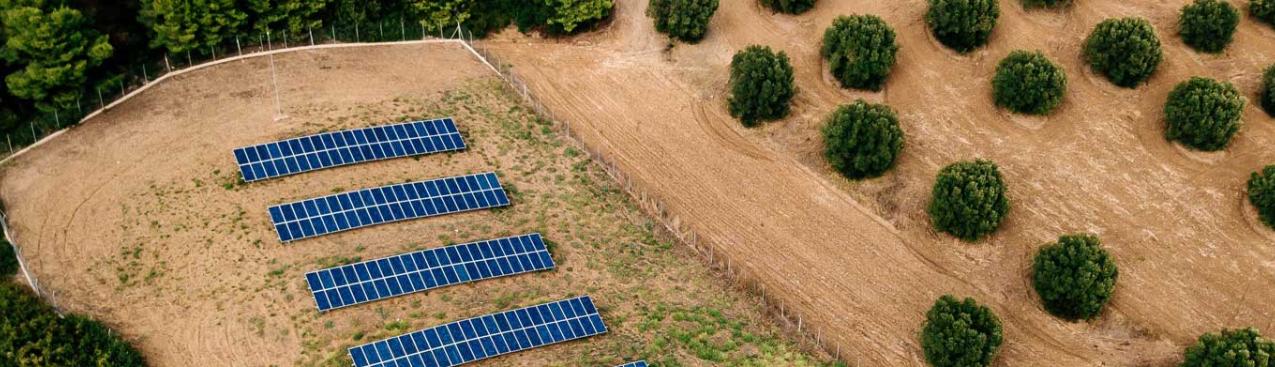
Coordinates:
(686, 20)
(1045, 3)
(761, 85)
(1203, 113)
(1263, 10)
(962, 25)
(969, 199)
(1268, 91)
(960, 334)
(1028, 82)
(860, 51)
(1125, 50)
(1074, 276)
(789, 6)
(1241, 347)
(1261, 193)
(862, 140)
(1208, 25)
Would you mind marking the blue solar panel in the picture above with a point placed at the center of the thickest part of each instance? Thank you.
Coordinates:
(634, 364)
(419, 271)
(485, 337)
(367, 207)
(339, 148)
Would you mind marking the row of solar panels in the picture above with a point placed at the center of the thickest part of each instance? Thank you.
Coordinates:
(342, 286)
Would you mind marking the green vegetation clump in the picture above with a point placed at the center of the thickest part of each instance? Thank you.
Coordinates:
(8, 260)
(960, 334)
(1268, 91)
(49, 53)
(1208, 25)
(969, 199)
(1263, 10)
(860, 51)
(1045, 3)
(1028, 82)
(1261, 193)
(32, 334)
(1074, 276)
(789, 6)
(1125, 50)
(862, 140)
(686, 20)
(962, 25)
(761, 84)
(1239, 348)
(1203, 114)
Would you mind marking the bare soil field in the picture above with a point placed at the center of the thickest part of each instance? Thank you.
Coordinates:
(859, 260)
(137, 218)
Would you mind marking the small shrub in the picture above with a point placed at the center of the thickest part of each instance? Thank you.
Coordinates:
(1261, 193)
(1263, 10)
(1125, 50)
(686, 20)
(860, 51)
(960, 334)
(1208, 25)
(1241, 347)
(761, 85)
(1074, 277)
(1268, 91)
(31, 334)
(1203, 114)
(1045, 3)
(8, 260)
(969, 199)
(1028, 82)
(962, 25)
(862, 140)
(789, 6)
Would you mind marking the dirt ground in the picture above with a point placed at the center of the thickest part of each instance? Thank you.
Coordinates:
(136, 218)
(859, 260)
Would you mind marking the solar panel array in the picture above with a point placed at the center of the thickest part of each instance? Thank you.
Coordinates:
(429, 269)
(362, 208)
(484, 337)
(634, 364)
(338, 148)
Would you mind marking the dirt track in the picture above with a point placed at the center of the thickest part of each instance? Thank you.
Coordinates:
(1191, 259)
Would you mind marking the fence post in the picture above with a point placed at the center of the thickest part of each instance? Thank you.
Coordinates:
(189, 61)
(285, 38)
(356, 32)
(380, 25)
(269, 43)
(145, 77)
(167, 66)
(100, 103)
(334, 32)
(311, 32)
(402, 29)
(238, 48)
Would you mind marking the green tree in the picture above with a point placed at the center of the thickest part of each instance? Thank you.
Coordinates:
(8, 260)
(969, 199)
(181, 26)
(1261, 193)
(789, 6)
(1028, 82)
(1074, 276)
(686, 20)
(1046, 3)
(570, 16)
(960, 334)
(1208, 25)
(442, 14)
(962, 25)
(1263, 10)
(860, 50)
(52, 51)
(1125, 50)
(296, 17)
(31, 334)
(1231, 348)
(1268, 91)
(761, 85)
(1203, 114)
(862, 140)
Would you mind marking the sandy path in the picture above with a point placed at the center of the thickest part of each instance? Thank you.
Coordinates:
(864, 274)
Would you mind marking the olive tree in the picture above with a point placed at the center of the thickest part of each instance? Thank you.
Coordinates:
(1263, 10)
(962, 25)
(686, 20)
(1208, 25)
(1239, 348)
(1268, 91)
(960, 334)
(1125, 50)
(860, 51)
(969, 199)
(1074, 276)
(1261, 193)
(761, 84)
(1028, 82)
(1203, 113)
(789, 6)
(862, 140)
(1046, 3)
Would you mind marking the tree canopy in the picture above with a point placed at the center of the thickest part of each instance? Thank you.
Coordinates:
(1074, 276)
(761, 84)
(963, 25)
(1125, 50)
(686, 20)
(969, 199)
(53, 51)
(1263, 10)
(1268, 91)
(31, 334)
(862, 140)
(789, 6)
(1261, 193)
(960, 334)
(1231, 348)
(1203, 114)
(181, 26)
(860, 51)
(1028, 82)
(1208, 25)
